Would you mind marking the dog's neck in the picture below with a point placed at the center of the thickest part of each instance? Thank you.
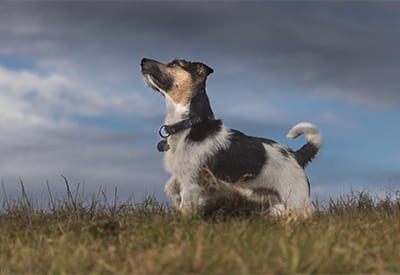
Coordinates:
(175, 112)
(196, 116)
(199, 106)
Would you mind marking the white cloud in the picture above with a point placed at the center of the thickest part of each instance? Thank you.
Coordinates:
(96, 157)
(24, 95)
(29, 97)
(41, 139)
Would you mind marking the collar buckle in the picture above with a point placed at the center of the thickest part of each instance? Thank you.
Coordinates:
(164, 131)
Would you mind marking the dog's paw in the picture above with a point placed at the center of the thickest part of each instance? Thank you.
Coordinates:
(277, 210)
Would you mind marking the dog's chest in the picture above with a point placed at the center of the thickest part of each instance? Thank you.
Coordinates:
(185, 158)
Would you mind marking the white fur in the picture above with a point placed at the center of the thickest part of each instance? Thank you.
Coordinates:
(309, 131)
(184, 161)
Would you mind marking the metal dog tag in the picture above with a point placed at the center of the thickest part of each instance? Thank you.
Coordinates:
(163, 146)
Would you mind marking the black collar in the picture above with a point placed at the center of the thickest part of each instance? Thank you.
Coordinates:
(167, 130)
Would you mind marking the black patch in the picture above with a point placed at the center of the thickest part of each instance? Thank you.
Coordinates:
(200, 107)
(204, 129)
(305, 154)
(242, 160)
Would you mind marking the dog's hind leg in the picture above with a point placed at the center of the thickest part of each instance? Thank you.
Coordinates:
(173, 191)
(277, 210)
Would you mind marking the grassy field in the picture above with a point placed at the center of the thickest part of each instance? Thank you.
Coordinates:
(76, 235)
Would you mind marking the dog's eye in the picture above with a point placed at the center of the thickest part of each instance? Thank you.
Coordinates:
(174, 63)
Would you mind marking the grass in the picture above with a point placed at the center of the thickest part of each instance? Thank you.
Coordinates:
(77, 235)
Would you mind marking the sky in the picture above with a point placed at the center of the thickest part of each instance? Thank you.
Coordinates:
(73, 102)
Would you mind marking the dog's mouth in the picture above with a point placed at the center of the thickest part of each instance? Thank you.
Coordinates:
(151, 82)
(155, 77)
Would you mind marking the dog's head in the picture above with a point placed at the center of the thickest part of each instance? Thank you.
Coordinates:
(179, 80)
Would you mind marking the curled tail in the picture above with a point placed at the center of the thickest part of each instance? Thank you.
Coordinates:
(314, 142)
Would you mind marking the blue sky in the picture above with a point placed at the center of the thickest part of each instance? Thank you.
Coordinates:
(73, 102)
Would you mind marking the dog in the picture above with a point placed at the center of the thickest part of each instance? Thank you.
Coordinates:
(195, 141)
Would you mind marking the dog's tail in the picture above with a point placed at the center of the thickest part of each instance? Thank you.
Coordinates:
(314, 142)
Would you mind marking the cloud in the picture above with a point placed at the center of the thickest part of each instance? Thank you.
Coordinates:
(346, 51)
(43, 135)
(81, 77)
(28, 96)
(25, 97)
(97, 157)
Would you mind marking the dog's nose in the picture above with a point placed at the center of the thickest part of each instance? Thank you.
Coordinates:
(147, 61)
(144, 60)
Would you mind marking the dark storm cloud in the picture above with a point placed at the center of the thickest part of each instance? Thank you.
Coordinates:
(346, 51)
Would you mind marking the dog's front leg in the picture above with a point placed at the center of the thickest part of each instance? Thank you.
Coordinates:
(191, 199)
(173, 191)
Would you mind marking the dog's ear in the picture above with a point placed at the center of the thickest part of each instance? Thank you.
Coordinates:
(204, 70)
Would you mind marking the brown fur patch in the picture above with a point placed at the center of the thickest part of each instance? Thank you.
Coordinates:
(230, 199)
(182, 89)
